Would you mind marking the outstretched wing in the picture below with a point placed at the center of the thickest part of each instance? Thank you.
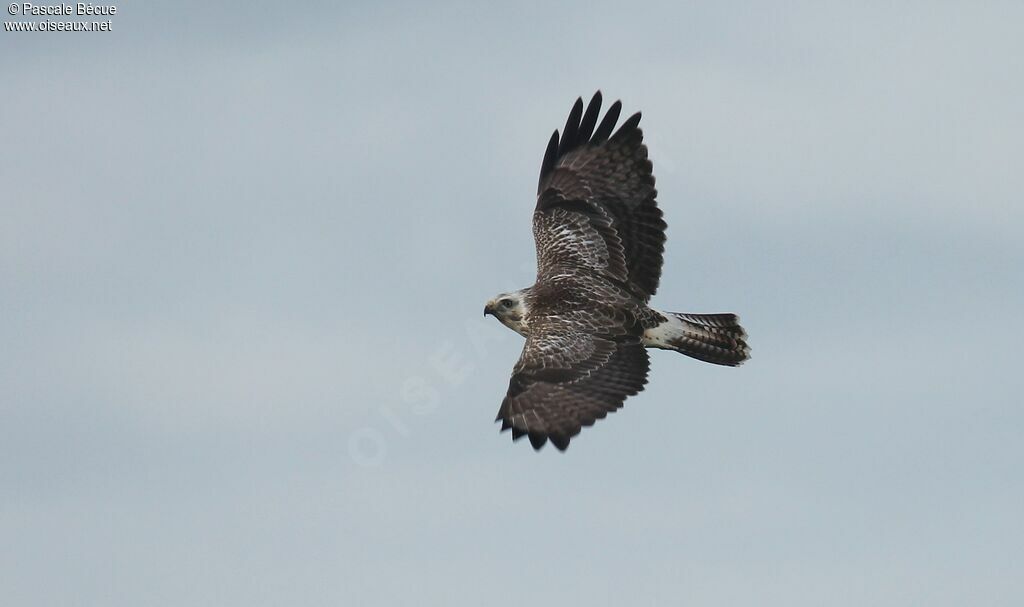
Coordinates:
(596, 205)
(567, 379)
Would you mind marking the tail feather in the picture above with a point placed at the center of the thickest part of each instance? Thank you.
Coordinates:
(713, 338)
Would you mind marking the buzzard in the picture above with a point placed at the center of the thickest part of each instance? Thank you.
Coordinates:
(600, 241)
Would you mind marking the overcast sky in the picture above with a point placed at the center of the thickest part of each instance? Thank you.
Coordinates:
(243, 255)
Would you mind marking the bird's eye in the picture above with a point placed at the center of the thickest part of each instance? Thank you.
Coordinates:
(506, 303)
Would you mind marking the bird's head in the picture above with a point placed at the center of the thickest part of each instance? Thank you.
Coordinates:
(510, 310)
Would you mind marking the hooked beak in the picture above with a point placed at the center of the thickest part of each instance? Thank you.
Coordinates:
(488, 309)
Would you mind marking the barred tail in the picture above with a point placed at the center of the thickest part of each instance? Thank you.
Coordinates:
(713, 338)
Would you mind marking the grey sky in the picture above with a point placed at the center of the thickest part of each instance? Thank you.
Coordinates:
(243, 256)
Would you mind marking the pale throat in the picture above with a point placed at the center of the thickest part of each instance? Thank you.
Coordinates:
(518, 325)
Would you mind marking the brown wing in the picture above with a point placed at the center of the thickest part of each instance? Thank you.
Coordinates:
(565, 380)
(603, 181)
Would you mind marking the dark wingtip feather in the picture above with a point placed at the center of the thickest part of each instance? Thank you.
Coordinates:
(605, 129)
(550, 158)
(629, 125)
(517, 433)
(505, 424)
(537, 440)
(590, 118)
(559, 441)
(572, 127)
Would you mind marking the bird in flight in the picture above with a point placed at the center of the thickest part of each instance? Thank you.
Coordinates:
(600, 242)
